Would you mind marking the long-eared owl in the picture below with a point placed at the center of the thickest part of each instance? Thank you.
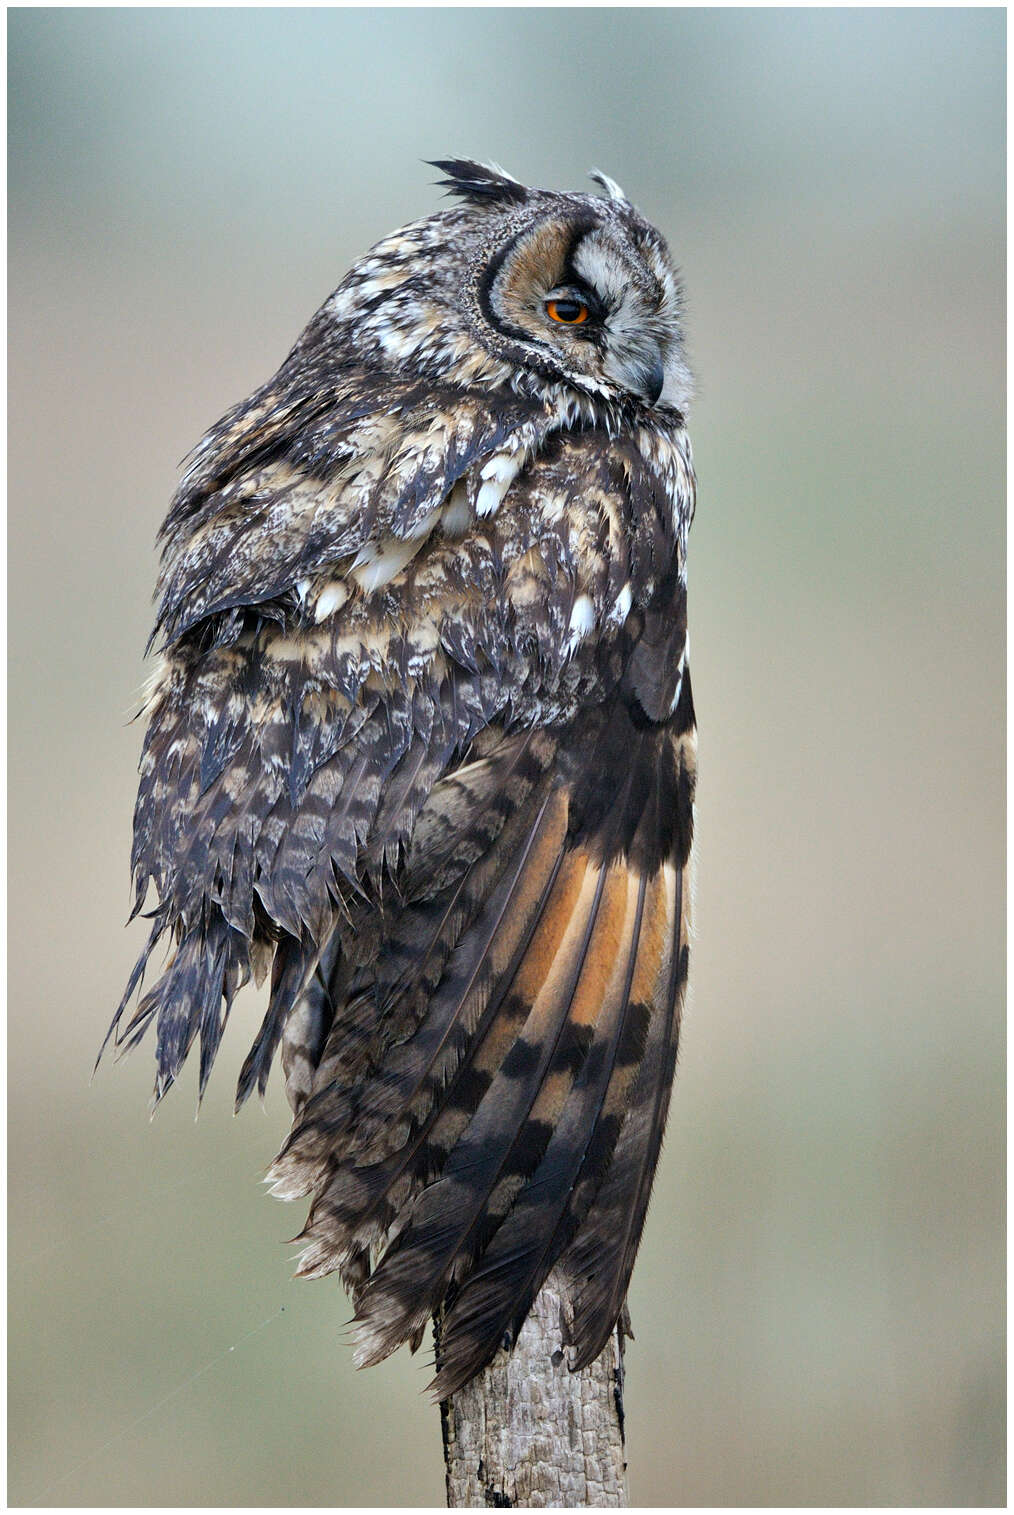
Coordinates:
(421, 746)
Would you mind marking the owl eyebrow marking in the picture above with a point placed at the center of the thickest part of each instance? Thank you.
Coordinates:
(581, 230)
(490, 277)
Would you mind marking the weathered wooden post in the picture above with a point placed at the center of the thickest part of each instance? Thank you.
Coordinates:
(528, 1432)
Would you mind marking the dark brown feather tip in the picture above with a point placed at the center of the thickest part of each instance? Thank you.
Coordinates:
(478, 183)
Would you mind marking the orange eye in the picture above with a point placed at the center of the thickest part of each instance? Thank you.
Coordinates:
(568, 312)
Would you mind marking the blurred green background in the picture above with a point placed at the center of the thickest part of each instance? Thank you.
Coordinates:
(819, 1298)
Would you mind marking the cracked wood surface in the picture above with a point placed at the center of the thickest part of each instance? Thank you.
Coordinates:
(527, 1432)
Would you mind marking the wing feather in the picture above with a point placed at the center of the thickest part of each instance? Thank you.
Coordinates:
(441, 779)
(342, 1119)
(504, 1139)
(462, 1170)
(496, 1297)
(602, 1257)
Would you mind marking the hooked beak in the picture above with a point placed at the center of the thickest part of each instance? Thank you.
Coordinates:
(639, 366)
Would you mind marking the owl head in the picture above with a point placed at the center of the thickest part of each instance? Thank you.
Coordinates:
(525, 287)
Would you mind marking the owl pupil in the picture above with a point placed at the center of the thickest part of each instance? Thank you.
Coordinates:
(570, 312)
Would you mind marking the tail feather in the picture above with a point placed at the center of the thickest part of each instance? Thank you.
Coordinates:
(505, 1139)
(305, 1029)
(292, 966)
(601, 1259)
(338, 1118)
(360, 1206)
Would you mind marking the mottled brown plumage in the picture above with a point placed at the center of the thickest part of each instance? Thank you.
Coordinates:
(421, 743)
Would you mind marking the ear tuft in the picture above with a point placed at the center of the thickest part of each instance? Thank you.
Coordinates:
(610, 186)
(478, 183)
